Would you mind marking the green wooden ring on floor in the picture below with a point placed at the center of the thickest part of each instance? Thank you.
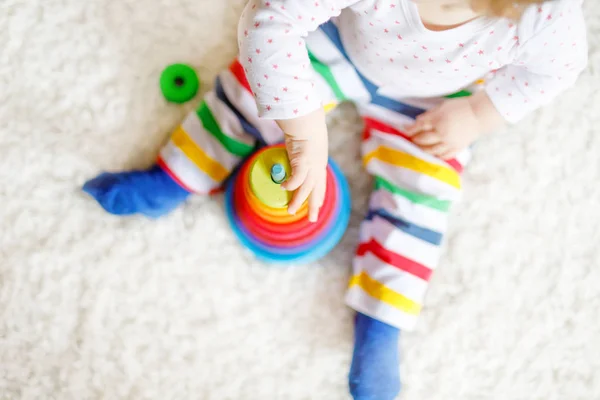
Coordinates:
(179, 83)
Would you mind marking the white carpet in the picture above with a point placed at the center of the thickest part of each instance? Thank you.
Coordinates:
(95, 307)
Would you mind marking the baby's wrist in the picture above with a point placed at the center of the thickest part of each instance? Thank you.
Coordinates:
(485, 112)
(305, 127)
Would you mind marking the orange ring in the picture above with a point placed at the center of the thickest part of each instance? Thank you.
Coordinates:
(279, 214)
(255, 209)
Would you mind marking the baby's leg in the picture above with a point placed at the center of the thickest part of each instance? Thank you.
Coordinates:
(400, 246)
(201, 153)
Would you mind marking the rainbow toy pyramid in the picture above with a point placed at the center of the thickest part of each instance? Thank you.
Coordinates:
(257, 210)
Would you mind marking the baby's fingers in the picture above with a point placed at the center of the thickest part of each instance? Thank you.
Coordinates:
(427, 138)
(296, 150)
(300, 196)
(437, 150)
(422, 124)
(317, 198)
(299, 173)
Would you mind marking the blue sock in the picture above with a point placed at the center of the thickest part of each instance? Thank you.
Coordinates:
(152, 193)
(374, 374)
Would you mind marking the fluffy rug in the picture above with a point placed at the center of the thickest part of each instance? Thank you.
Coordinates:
(96, 307)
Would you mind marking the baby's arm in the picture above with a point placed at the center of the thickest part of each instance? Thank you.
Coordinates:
(552, 54)
(550, 58)
(273, 52)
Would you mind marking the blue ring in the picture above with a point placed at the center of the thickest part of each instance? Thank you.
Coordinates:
(309, 255)
(303, 253)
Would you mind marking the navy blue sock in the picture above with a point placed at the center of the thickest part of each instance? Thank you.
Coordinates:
(374, 374)
(152, 193)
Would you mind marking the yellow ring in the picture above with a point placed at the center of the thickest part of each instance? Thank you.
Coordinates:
(268, 192)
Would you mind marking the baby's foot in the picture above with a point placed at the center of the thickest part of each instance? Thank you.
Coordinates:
(374, 374)
(152, 193)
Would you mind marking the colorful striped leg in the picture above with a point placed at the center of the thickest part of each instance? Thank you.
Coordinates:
(212, 141)
(399, 246)
(199, 156)
(401, 237)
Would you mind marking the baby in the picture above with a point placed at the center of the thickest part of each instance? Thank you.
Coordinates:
(428, 77)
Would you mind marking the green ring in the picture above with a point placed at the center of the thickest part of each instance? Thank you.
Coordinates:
(179, 83)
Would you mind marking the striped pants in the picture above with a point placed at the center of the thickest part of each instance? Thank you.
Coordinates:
(401, 237)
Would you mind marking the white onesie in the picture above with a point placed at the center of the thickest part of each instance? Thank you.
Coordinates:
(532, 60)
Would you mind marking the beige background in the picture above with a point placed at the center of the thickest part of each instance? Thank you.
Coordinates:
(95, 307)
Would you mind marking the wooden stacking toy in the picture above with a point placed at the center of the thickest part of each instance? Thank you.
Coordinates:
(257, 209)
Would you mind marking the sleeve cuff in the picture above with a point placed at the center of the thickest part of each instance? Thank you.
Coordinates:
(288, 110)
(511, 104)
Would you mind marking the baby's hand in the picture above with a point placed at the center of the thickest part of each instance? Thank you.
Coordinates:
(307, 148)
(454, 125)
